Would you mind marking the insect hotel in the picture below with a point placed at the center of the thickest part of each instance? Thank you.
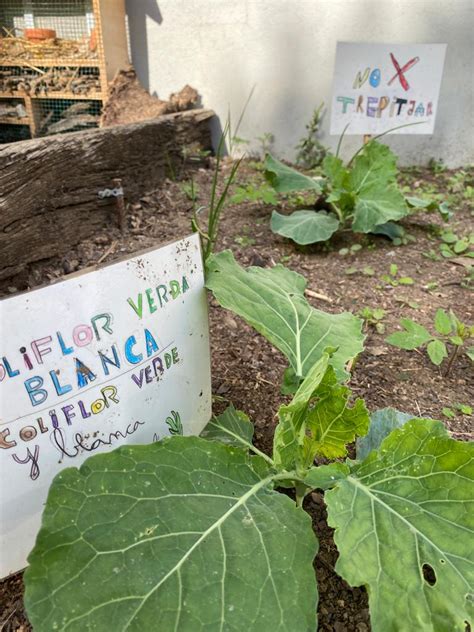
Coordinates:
(56, 59)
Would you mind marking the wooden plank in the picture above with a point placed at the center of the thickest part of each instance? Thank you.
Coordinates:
(49, 186)
(10, 120)
(113, 36)
(90, 96)
(65, 62)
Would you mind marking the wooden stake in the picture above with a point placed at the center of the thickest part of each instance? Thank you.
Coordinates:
(367, 138)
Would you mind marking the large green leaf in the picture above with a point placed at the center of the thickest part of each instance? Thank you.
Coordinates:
(290, 433)
(318, 420)
(377, 204)
(406, 512)
(334, 170)
(232, 427)
(305, 227)
(340, 191)
(382, 422)
(437, 351)
(431, 205)
(390, 230)
(368, 190)
(332, 423)
(273, 302)
(184, 534)
(285, 179)
(325, 476)
(376, 164)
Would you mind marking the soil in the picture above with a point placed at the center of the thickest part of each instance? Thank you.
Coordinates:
(248, 371)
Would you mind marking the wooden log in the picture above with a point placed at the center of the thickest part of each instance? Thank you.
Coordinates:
(49, 186)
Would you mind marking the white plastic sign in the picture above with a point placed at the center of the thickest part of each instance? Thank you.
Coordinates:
(380, 86)
(113, 356)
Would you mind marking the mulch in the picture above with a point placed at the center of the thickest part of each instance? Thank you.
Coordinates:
(248, 371)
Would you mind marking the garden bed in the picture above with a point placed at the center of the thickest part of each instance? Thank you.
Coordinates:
(247, 370)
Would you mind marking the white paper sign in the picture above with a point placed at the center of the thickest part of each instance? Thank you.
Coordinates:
(113, 356)
(379, 86)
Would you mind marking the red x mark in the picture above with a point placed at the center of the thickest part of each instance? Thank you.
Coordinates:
(400, 71)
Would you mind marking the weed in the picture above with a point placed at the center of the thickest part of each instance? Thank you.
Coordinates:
(190, 190)
(256, 194)
(310, 151)
(450, 332)
(373, 318)
(244, 241)
(394, 279)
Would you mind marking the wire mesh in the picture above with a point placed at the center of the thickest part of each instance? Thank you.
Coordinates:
(47, 29)
(56, 116)
(13, 133)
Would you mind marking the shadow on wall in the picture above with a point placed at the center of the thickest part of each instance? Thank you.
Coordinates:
(138, 34)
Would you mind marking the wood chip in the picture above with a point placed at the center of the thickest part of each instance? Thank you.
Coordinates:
(318, 295)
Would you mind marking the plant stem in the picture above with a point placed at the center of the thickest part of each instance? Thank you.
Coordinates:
(392, 129)
(338, 212)
(339, 142)
(451, 360)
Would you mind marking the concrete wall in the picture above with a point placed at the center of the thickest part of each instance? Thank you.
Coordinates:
(286, 48)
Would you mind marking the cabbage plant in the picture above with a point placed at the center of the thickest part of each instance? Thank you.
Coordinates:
(192, 534)
(362, 195)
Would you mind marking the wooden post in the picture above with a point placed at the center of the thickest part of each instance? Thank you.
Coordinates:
(367, 138)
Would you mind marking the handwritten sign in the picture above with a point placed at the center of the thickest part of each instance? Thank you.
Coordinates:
(380, 86)
(113, 356)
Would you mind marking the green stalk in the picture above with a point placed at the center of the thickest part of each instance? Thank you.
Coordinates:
(215, 211)
(339, 142)
(392, 129)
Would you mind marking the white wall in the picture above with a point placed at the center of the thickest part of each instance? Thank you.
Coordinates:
(287, 49)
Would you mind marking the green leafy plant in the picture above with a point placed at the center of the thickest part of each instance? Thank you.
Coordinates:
(452, 245)
(365, 271)
(460, 409)
(310, 151)
(266, 141)
(362, 195)
(373, 318)
(190, 533)
(437, 166)
(449, 331)
(464, 409)
(244, 240)
(190, 190)
(351, 250)
(262, 193)
(394, 279)
(216, 204)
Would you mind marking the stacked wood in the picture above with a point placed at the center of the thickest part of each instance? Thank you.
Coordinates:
(13, 48)
(12, 110)
(42, 216)
(75, 117)
(45, 82)
(73, 123)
